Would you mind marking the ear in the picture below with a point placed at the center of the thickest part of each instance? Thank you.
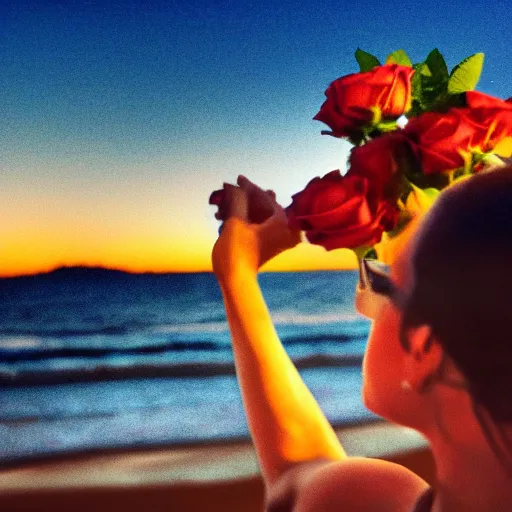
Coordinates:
(424, 359)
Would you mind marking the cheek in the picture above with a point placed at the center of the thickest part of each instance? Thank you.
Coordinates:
(382, 363)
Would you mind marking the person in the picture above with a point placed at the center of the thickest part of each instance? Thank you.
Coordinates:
(438, 358)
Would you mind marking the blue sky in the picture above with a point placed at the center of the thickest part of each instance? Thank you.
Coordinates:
(119, 118)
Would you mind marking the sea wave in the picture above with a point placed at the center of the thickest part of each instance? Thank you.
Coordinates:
(192, 327)
(20, 342)
(11, 377)
(114, 329)
(299, 318)
(172, 340)
(14, 354)
(279, 318)
(322, 337)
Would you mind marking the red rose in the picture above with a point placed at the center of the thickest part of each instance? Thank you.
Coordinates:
(475, 99)
(443, 139)
(492, 113)
(382, 161)
(350, 99)
(341, 211)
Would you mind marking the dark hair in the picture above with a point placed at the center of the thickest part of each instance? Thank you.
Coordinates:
(462, 284)
(462, 288)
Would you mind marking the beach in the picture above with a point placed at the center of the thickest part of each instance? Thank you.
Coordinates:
(213, 477)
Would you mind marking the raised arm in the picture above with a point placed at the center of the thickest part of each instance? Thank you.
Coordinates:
(285, 421)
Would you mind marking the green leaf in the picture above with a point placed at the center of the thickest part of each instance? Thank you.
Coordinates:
(366, 60)
(465, 75)
(446, 101)
(362, 251)
(371, 254)
(399, 57)
(420, 70)
(416, 81)
(437, 65)
(423, 69)
(430, 84)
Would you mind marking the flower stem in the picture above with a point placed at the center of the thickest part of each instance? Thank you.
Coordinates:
(361, 251)
(492, 160)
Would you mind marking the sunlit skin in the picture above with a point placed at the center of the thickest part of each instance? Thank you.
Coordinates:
(302, 462)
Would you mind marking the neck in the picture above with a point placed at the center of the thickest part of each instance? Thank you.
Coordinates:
(471, 463)
(471, 480)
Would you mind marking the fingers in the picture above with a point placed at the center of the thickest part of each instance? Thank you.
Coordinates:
(218, 198)
(262, 203)
(231, 202)
(238, 204)
(244, 182)
(251, 187)
(246, 201)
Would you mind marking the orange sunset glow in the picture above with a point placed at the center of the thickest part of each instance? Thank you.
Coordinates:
(138, 227)
(45, 252)
(148, 211)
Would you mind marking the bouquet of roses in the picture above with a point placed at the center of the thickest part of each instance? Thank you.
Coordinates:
(416, 129)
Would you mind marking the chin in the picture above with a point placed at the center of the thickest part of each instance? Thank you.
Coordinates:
(367, 399)
(371, 406)
(381, 406)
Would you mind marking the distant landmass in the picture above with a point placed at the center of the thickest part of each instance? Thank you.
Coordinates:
(98, 272)
(87, 272)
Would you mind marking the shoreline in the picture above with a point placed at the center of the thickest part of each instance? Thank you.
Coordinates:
(196, 461)
(218, 477)
(222, 444)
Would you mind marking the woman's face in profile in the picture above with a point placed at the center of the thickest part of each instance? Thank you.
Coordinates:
(384, 359)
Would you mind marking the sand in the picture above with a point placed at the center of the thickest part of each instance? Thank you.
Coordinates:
(220, 477)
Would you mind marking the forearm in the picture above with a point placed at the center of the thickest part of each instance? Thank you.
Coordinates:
(286, 423)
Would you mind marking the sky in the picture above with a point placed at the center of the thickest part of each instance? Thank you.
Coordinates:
(118, 119)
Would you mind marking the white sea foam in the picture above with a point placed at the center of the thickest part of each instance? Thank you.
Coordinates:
(279, 318)
(14, 342)
(296, 318)
(192, 328)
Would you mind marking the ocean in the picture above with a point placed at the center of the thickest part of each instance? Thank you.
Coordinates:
(94, 359)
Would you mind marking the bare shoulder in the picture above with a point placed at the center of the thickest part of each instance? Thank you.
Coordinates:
(355, 484)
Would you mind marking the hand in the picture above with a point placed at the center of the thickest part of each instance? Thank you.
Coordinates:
(254, 230)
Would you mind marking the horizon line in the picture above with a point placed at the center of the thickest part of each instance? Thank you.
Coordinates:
(153, 272)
